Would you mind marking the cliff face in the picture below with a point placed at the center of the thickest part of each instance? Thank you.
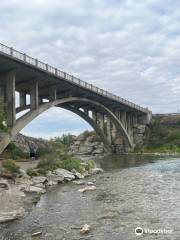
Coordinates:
(22, 141)
(87, 143)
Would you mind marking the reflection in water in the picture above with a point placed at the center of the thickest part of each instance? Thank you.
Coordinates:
(135, 191)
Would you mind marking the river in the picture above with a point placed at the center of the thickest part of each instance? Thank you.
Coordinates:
(134, 191)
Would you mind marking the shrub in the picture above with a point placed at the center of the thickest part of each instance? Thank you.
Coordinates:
(15, 153)
(10, 166)
(48, 164)
(32, 172)
(59, 161)
(90, 164)
(42, 151)
(72, 163)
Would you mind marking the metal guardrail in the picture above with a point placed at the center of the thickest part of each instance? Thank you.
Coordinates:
(58, 73)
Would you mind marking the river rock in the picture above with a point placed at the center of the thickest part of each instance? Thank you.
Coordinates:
(67, 175)
(95, 171)
(38, 180)
(85, 229)
(36, 234)
(4, 184)
(33, 189)
(54, 179)
(88, 188)
(77, 174)
(90, 183)
(86, 174)
(11, 215)
(79, 182)
(23, 174)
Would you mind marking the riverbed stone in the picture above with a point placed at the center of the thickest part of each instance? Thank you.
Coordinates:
(79, 182)
(54, 179)
(77, 174)
(95, 171)
(7, 216)
(38, 180)
(85, 229)
(34, 189)
(88, 188)
(4, 184)
(67, 175)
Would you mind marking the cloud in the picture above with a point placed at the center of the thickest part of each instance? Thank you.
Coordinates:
(129, 47)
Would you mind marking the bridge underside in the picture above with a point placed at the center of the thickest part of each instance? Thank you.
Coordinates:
(119, 126)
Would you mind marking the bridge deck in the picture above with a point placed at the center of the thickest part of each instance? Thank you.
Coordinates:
(28, 68)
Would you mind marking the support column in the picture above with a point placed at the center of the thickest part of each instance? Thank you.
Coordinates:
(86, 111)
(2, 93)
(109, 136)
(100, 120)
(34, 96)
(52, 96)
(10, 99)
(94, 116)
(124, 119)
(22, 99)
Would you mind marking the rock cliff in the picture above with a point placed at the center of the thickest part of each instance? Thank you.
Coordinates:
(87, 143)
(22, 141)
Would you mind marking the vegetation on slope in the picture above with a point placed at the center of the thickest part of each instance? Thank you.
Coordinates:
(164, 135)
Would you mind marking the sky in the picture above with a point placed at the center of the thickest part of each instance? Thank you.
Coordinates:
(129, 47)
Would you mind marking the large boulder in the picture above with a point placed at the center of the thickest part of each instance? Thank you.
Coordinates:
(67, 175)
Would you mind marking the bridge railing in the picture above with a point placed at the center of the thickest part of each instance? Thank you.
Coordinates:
(60, 74)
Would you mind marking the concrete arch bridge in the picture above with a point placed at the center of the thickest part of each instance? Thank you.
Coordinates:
(120, 124)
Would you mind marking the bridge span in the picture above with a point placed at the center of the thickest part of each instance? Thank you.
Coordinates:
(118, 122)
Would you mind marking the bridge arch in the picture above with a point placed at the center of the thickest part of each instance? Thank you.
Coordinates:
(66, 103)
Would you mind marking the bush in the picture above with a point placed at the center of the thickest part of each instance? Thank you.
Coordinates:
(90, 165)
(15, 153)
(72, 163)
(10, 167)
(48, 164)
(59, 161)
(42, 151)
(32, 172)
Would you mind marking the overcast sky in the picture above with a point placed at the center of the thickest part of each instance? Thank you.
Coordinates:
(129, 47)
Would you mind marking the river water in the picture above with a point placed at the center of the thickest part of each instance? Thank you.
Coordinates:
(133, 192)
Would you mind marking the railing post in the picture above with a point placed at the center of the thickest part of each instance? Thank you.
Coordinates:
(24, 56)
(22, 99)
(11, 51)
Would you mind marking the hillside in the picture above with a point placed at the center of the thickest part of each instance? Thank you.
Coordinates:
(164, 134)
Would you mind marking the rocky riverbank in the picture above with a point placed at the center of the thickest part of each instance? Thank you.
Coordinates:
(87, 143)
(17, 196)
